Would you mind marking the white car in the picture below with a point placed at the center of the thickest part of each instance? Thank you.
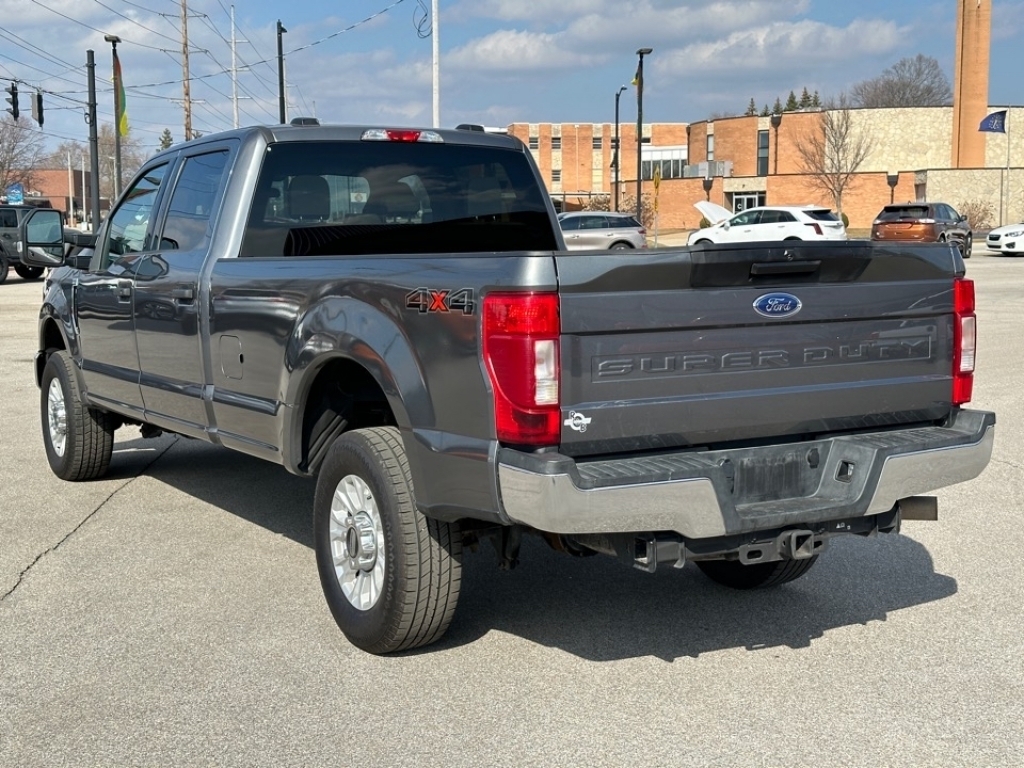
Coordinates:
(1008, 239)
(769, 222)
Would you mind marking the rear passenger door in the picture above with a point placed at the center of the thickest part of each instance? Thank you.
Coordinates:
(170, 305)
(593, 232)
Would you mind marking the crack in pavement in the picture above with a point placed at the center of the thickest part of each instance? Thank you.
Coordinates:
(1007, 463)
(86, 519)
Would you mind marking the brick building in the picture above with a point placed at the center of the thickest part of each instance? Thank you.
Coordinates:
(755, 161)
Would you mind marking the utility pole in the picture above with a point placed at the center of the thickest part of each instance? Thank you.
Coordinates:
(186, 88)
(435, 34)
(640, 131)
(94, 143)
(71, 193)
(234, 72)
(283, 112)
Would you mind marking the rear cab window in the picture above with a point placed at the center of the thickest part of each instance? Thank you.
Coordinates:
(352, 198)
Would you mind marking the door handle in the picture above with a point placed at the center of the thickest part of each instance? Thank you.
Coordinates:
(124, 289)
(183, 294)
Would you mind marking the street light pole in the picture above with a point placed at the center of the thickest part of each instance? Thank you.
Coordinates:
(280, 73)
(615, 161)
(114, 40)
(776, 122)
(641, 52)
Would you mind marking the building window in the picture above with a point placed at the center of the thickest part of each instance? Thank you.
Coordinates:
(597, 142)
(762, 153)
(711, 148)
(556, 175)
(556, 142)
(534, 142)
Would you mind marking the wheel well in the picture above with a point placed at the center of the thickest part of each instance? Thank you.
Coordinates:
(623, 243)
(792, 238)
(343, 396)
(52, 341)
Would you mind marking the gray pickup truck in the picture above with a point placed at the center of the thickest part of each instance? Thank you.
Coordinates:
(392, 312)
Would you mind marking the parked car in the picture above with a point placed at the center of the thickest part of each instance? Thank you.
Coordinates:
(923, 223)
(1007, 239)
(589, 230)
(10, 218)
(767, 222)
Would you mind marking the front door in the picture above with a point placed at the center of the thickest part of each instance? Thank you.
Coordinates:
(168, 300)
(104, 299)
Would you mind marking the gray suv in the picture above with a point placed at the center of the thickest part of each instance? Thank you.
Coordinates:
(10, 218)
(593, 230)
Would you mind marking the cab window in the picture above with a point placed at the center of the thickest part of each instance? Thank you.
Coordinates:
(129, 223)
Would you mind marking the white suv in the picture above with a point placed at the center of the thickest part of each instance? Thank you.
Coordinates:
(773, 222)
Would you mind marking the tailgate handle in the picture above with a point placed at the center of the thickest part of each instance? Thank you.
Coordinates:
(784, 267)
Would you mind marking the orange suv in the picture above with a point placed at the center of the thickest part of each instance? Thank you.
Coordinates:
(923, 223)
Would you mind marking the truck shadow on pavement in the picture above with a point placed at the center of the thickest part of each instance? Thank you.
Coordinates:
(595, 608)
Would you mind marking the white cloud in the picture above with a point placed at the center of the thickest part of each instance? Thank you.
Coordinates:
(516, 51)
(783, 46)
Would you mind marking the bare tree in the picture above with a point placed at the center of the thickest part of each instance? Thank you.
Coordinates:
(21, 152)
(833, 151)
(910, 82)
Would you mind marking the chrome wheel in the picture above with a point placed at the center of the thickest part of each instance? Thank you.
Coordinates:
(57, 417)
(357, 542)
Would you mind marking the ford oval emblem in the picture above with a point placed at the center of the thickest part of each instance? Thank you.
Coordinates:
(777, 305)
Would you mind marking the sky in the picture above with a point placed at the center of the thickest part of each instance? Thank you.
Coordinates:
(502, 61)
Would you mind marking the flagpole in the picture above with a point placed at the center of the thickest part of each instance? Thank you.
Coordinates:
(1003, 218)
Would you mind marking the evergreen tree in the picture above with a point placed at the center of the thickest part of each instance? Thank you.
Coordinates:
(815, 101)
(805, 99)
(165, 139)
(777, 109)
(751, 108)
(765, 112)
(791, 105)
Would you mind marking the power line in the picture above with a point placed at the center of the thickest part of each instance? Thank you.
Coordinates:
(133, 21)
(94, 29)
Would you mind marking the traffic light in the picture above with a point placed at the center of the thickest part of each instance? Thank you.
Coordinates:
(37, 108)
(13, 100)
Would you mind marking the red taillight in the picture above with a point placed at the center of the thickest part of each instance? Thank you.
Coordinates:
(816, 226)
(520, 347)
(965, 340)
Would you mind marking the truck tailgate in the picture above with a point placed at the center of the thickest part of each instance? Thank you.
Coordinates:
(747, 342)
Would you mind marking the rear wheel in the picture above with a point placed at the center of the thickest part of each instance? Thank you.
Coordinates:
(391, 575)
(792, 238)
(4, 267)
(621, 247)
(79, 440)
(736, 575)
(28, 273)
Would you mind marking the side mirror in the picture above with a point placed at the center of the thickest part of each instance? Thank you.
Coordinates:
(41, 239)
(726, 224)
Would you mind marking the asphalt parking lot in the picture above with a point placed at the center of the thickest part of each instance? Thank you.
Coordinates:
(171, 615)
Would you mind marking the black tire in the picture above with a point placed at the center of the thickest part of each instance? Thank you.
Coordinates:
(421, 571)
(736, 575)
(28, 273)
(621, 246)
(88, 434)
(704, 241)
(4, 267)
(793, 238)
(967, 246)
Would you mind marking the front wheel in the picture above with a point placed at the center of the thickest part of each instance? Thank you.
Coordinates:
(966, 247)
(5, 267)
(390, 574)
(737, 575)
(79, 440)
(28, 273)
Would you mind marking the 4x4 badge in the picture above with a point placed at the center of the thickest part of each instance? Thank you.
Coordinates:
(577, 421)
